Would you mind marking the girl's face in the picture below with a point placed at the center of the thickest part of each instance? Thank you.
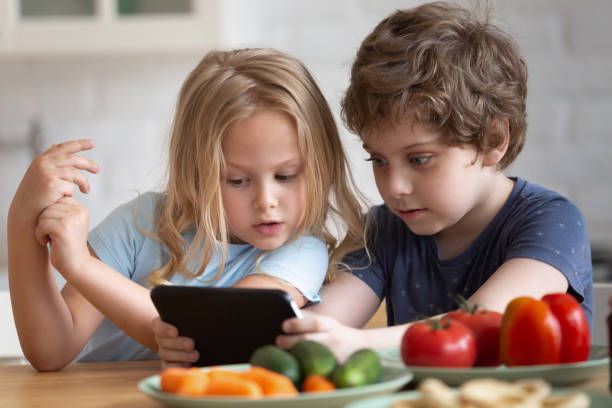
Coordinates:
(434, 188)
(263, 186)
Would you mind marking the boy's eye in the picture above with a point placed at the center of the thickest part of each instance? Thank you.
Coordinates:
(285, 177)
(419, 160)
(376, 161)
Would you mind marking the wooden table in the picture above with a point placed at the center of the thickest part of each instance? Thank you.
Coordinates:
(78, 385)
(113, 385)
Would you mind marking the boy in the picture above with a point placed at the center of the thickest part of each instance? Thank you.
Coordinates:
(438, 99)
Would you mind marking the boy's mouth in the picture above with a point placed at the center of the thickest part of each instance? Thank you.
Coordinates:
(409, 215)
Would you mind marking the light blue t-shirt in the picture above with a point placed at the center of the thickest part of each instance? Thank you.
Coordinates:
(120, 243)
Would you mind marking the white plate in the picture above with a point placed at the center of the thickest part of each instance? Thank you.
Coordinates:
(556, 374)
(385, 401)
(391, 379)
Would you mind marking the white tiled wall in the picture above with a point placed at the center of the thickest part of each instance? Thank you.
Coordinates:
(126, 103)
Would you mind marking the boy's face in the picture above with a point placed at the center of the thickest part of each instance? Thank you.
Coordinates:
(264, 186)
(431, 186)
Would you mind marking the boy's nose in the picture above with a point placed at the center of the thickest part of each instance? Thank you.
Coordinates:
(265, 198)
(398, 183)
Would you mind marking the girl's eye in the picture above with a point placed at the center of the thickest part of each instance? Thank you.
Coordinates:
(376, 162)
(236, 182)
(419, 160)
(285, 177)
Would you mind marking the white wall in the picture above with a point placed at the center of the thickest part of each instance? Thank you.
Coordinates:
(126, 103)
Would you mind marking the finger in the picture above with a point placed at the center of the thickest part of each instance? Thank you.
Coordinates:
(169, 364)
(60, 209)
(45, 229)
(79, 162)
(72, 146)
(67, 203)
(58, 188)
(288, 341)
(309, 323)
(41, 237)
(75, 176)
(176, 343)
(181, 357)
(163, 329)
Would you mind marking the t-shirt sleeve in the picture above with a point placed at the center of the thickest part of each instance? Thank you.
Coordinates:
(555, 233)
(369, 265)
(118, 239)
(302, 263)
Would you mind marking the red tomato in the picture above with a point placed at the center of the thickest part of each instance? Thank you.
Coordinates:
(575, 332)
(438, 343)
(530, 333)
(485, 324)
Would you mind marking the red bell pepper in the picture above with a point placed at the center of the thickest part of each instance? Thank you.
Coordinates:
(529, 334)
(575, 332)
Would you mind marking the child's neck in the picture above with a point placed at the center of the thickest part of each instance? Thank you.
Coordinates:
(455, 240)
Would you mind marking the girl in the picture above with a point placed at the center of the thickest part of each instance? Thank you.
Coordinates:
(254, 158)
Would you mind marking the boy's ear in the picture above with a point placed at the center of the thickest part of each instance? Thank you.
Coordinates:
(499, 136)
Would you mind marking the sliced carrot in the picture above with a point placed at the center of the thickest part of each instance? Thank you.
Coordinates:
(272, 383)
(317, 383)
(171, 378)
(194, 383)
(220, 373)
(233, 386)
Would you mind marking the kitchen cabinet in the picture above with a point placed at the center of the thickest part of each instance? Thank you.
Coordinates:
(96, 27)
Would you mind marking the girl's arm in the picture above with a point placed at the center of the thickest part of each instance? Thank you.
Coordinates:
(40, 313)
(270, 282)
(43, 315)
(124, 302)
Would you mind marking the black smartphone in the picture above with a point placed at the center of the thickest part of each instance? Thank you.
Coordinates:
(227, 324)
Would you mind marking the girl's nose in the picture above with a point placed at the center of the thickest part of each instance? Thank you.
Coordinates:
(266, 197)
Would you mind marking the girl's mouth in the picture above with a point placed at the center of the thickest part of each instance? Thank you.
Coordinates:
(268, 228)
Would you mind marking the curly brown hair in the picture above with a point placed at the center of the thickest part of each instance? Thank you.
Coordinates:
(448, 69)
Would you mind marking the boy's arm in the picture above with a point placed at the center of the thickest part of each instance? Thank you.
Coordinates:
(518, 277)
(347, 305)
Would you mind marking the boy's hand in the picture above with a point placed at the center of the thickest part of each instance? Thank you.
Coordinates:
(64, 225)
(340, 339)
(52, 175)
(173, 350)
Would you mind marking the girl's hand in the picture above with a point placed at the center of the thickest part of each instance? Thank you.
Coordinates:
(340, 339)
(173, 350)
(64, 225)
(51, 176)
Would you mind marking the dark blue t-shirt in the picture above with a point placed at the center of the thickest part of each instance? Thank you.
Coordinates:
(534, 223)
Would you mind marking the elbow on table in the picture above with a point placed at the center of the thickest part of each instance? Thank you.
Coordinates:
(46, 362)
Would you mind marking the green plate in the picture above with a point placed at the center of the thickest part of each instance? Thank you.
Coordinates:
(391, 379)
(556, 374)
(385, 401)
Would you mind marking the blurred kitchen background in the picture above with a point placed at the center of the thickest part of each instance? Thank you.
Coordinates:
(111, 70)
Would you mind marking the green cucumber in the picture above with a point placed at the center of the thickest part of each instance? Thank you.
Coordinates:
(314, 358)
(276, 359)
(361, 368)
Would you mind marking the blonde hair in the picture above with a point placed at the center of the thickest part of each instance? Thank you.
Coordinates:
(449, 69)
(223, 89)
